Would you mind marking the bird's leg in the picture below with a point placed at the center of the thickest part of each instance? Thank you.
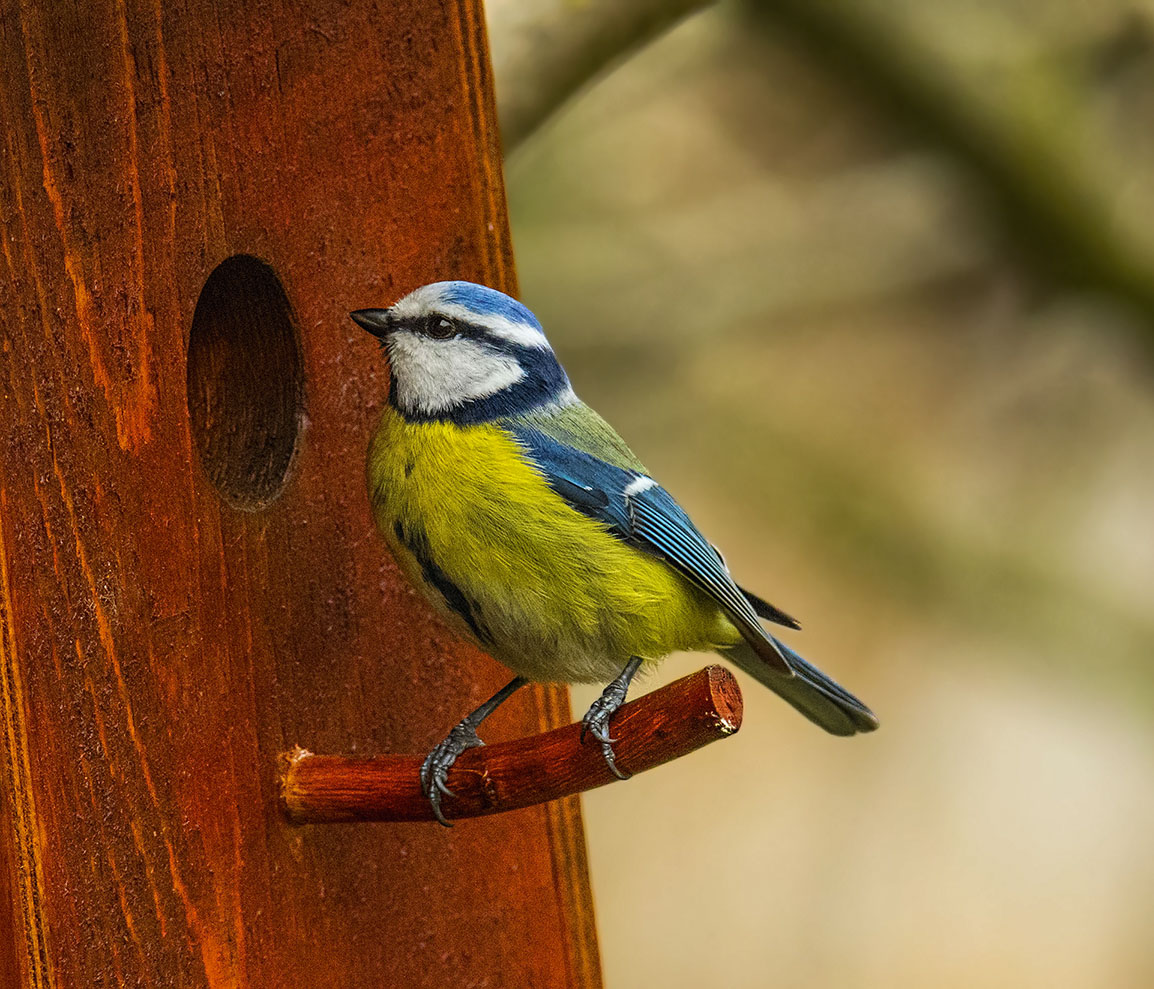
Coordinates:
(463, 736)
(596, 720)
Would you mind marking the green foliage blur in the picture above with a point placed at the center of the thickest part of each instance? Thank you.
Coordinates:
(916, 419)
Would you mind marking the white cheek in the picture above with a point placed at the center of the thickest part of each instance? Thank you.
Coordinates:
(434, 375)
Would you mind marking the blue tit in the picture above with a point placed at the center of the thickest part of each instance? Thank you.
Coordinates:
(537, 534)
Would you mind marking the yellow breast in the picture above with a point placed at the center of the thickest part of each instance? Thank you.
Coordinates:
(545, 589)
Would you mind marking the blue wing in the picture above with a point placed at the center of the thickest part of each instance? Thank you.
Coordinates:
(639, 511)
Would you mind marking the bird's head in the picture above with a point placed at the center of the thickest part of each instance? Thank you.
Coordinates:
(465, 353)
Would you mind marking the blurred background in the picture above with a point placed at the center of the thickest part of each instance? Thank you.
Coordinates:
(868, 285)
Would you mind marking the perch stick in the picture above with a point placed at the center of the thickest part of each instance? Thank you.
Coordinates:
(660, 726)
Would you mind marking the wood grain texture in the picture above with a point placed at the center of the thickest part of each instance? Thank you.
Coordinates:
(650, 731)
(160, 647)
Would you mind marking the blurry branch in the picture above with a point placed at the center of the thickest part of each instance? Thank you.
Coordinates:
(1025, 165)
(544, 51)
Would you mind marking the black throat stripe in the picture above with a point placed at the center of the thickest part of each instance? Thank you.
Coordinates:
(417, 543)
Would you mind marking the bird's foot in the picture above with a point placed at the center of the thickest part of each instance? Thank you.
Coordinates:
(596, 721)
(436, 766)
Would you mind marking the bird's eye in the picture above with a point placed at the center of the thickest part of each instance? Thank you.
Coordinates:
(440, 328)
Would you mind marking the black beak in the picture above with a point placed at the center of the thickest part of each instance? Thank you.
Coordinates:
(376, 321)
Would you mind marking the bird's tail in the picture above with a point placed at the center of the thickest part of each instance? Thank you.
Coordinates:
(815, 695)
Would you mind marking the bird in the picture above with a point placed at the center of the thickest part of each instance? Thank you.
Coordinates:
(537, 534)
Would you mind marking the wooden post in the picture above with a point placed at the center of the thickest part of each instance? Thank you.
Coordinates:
(192, 197)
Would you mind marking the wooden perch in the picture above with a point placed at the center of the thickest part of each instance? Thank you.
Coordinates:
(670, 722)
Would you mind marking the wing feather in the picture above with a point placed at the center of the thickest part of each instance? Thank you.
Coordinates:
(646, 515)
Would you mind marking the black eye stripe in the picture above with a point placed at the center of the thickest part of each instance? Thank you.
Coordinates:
(430, 326)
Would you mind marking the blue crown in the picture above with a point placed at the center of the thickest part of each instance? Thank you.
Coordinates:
(487, 302)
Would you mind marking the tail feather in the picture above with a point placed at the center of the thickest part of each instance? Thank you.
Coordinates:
(771, 613)
(810, 691)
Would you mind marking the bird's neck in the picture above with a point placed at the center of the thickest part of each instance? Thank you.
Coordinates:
(544, 384)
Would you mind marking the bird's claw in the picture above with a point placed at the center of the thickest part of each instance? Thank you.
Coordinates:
(603, 738)
(596, 723)
(437, 763)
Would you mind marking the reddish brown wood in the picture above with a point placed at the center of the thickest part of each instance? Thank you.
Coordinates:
(668, 723)
(170, 621)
